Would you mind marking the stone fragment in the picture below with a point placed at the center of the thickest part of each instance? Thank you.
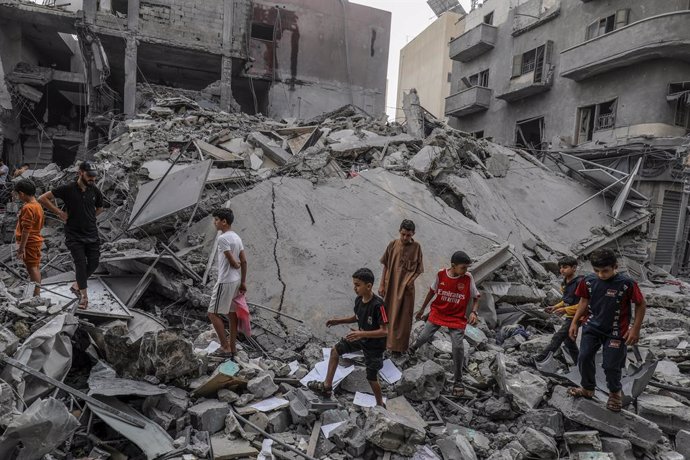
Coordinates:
(528, 389)
(538, 444)
(671, 415)
(262, 386)
(259, 419)
(166, 355)
(232, 425)
(582, 441)
(425, 160)
(683, 443)
(664, 339)
(393, 432)
(422, 382)
(350, 437)
(278, 421)
(227, 396)
(499, 409)
(456, 447)
(227, 449)
(299, 413)
(546, 420)
(594, 414)
(209, 415)
(244, 400)
(8, 341)
(622, 449)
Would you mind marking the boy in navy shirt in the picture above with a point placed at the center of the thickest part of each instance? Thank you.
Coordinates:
(370, 316)
(605, 301)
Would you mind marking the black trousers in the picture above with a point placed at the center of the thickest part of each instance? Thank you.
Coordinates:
(614, 354)
(85, 256)
(561, 337)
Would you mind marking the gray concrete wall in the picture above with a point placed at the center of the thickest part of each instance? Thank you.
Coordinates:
(641, 92)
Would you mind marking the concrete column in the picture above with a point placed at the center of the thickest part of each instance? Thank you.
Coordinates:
(130, 76)
(133, 15)
(226, 99)
(90, 7)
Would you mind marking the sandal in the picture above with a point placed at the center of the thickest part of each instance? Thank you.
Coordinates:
(76, 292)
(83, 303)
(615, 402)
(320, 388)
(458, 391)
(580, 392)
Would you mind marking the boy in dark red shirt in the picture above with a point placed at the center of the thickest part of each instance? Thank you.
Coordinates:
(451, 292)
(605, 300)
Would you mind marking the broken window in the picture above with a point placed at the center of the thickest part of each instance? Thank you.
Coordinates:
(479, 79)
(489, 19)
(679, 94)
(262, 31)
(529, 133)
(595, 117)
(534, 60)
(607, 24)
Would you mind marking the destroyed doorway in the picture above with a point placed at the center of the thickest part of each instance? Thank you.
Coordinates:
(251, 94)
(529, 134)
(668, 229)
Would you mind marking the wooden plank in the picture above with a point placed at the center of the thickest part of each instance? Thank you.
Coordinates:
(216, 152)
(314, 439)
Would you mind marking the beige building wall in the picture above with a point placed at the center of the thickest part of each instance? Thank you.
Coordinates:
(425, 64)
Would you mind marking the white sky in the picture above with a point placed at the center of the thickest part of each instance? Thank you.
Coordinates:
(409, 18)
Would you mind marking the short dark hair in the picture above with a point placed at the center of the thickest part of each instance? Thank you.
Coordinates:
(224, 214)
(365, 275)
(460, 257)
(567, 261)
(25, 186)
(25, 164)
(603, 258)
(408, 225)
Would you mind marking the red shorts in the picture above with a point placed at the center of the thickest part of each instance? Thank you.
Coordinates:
(32, 255)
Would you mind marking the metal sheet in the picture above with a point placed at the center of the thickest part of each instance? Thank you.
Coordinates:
(151, 439)
(179, 190)
(102, 301)
(123, 286)
(605, 178)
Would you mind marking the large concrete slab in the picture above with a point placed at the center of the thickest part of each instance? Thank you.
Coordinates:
(592, 413)
(354, 221)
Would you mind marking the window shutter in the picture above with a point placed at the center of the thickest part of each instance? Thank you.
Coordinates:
(622, 18)
(517, 66)
(591, 31)
(547, 54)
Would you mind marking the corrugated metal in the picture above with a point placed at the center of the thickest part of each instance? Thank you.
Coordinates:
(668, 227)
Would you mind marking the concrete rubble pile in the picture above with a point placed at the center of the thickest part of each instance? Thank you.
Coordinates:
(132, 376)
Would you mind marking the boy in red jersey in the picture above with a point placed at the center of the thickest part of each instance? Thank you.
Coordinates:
(451, 292)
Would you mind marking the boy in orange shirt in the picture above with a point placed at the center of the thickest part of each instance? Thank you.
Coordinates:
(28, 231)
(452, 291)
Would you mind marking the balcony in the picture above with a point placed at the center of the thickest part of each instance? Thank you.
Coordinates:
(473, 43)
(659, 37)
(471, 100)
(526, 85)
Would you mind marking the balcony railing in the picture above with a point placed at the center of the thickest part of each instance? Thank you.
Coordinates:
(658, 37)
(468, 101)
(473, 43)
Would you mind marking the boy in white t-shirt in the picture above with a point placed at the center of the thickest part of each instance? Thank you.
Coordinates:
(232, 275)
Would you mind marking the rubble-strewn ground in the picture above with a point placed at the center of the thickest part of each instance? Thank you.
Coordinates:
(315, 200)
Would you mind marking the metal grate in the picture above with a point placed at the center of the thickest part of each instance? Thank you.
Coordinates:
(441, 6)
(606, 121)
(668, 227)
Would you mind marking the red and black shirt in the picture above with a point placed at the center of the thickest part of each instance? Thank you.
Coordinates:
(609, 310)
(370, 316)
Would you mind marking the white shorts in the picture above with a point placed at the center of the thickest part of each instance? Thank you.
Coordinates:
(221, 297)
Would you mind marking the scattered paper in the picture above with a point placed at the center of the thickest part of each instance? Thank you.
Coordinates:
(294, 367)
(390, 373)
(320, 370)
(365, 400)
(213, 346)
(266, 451)
(327, 429)
(270, 404)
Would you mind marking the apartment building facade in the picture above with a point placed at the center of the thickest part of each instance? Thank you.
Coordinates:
(604, 81)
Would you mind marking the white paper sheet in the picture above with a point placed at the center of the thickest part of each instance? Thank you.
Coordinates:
(326, 429)
(270, 404)
(389, 372)
(294, 366)
(321, 369)
(365, 400)
(213, 346)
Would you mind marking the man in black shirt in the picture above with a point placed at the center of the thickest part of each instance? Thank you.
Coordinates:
(83, 203)
(370, 316)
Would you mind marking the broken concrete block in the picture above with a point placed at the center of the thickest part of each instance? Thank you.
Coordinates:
(594, 414)
(245, 399)
(393, 432)
(232, 425)
(209, 415)
(270, 148)
(456, 447)
(582, 441)
(514, 293)
(350, 437)
(227, 396)
(499, 409)
(528, 389)
(167, 355)
(665, 339)
(536, 344)
(262, 386)
(259, 419)
(622, 449)
(227, 449)
(8, 341)
(538, 444)
(299, 413)
(671, 415)
(425, 160)
(683, 443)
(547, 420)
(278, 421)
(423, 382)
(480, 443)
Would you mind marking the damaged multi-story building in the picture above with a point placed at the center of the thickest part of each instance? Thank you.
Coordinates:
(589, 87)
(69, 73)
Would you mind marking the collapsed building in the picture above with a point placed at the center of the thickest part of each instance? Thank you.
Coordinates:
(131, 377)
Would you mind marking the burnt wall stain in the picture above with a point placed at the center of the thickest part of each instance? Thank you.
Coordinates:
(373, 41)
(282, 20)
